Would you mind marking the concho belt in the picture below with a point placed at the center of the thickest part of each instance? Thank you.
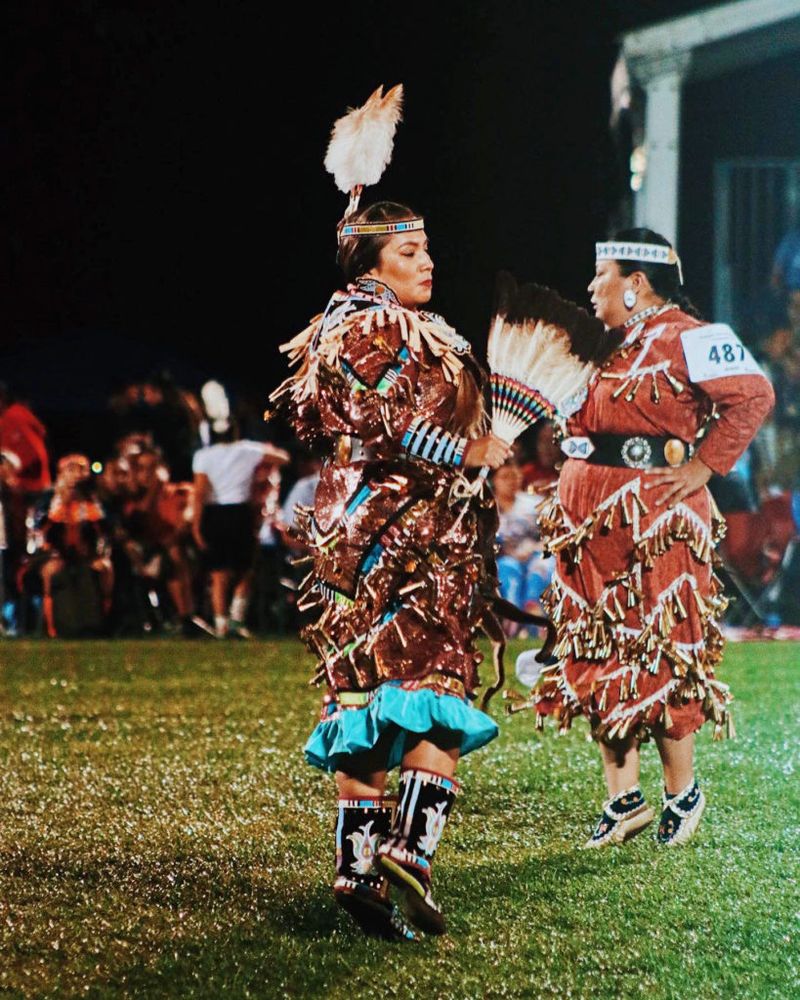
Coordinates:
(639, 451)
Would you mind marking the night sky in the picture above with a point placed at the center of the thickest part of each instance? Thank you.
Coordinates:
(165, 202)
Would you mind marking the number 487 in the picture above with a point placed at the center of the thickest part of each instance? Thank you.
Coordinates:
(720, 353)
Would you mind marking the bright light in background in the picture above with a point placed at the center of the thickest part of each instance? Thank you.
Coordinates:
(97, 467)
(620, 90)
(638, 167)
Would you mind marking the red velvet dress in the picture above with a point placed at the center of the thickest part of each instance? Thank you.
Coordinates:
(634, 597)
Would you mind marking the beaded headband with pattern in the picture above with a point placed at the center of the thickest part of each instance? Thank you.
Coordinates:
(380, 228)
(644, 253)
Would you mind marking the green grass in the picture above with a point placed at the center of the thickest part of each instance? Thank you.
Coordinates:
(161, 836)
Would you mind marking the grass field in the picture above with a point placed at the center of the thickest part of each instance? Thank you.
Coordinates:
(160, 836)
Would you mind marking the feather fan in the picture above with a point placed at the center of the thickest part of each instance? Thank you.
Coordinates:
(542, 352)
(361, 142)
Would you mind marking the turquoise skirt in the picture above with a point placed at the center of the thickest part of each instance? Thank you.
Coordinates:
(347, 731)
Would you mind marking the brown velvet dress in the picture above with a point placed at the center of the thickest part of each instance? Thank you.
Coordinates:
(403, 569)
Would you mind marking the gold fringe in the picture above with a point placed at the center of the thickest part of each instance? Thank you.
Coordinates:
(620, 389)
(631, 394)
(677, 387)
(655, 395)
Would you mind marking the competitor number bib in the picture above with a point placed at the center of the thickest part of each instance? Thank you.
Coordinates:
(714, 351)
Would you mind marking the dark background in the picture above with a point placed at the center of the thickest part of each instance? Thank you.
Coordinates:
(165, 203)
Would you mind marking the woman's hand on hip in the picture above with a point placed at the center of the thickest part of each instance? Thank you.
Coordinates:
(487, 450)
(679, 482)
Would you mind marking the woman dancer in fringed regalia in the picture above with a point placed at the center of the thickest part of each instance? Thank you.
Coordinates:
(634, 598)
(403, 576)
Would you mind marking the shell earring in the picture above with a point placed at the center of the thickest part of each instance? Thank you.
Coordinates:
(629, 298)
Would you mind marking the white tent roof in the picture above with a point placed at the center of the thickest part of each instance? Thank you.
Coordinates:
(717, 39)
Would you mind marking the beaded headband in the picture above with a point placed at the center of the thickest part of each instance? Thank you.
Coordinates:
(644, 253)
(381, 228)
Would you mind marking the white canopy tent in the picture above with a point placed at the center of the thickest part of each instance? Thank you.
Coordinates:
(665, 56)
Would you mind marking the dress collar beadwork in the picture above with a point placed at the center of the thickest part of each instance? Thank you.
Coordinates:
(644, 314)
(372, 288)
(633, 326)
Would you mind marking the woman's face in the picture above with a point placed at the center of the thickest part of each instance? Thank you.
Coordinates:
(406, 267)
(606, 289)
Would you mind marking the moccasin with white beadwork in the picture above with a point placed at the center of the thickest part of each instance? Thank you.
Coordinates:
(681, 816)
(624, 815)
(405, 857)
(376, 915)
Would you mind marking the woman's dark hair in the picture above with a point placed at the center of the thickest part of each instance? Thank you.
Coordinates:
(664, 278)
(359, 254)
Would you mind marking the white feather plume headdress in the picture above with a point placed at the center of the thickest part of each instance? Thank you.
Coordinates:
(362, 140)
(360, 150)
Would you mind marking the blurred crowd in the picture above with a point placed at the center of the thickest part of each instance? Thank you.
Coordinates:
(185, 526)
(180, 529)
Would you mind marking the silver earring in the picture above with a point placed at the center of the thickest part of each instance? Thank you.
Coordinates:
(629, 298)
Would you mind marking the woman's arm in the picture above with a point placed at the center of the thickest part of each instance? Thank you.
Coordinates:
(202, 489)
(384, 403)
(741, 404)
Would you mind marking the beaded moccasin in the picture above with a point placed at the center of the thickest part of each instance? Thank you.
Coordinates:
(680, 816)
(624, 815)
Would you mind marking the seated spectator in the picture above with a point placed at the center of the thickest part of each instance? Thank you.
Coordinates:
(224, 522)
(288, 555)
(785, 277)
(73, 564)
(155, 519)
(135, 604)
(735, 496)
(522, 567)
(274, 583)
(781, 359)
(170, 416)
(540, 470)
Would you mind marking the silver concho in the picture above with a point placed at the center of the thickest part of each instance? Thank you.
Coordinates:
(636, 453)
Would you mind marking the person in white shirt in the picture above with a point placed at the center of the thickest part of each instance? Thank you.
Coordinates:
(224, 524)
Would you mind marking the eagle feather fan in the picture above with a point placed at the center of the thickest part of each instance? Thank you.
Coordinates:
(542, 351)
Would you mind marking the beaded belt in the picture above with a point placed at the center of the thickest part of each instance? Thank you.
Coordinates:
(347, 449)
(437, 680)
(640, 451)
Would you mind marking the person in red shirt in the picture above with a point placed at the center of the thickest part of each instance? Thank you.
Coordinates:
(22, 436)
(542, 468)
(26, 473)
